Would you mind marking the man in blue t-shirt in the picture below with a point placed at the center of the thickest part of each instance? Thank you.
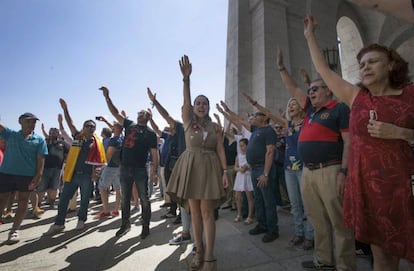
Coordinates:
(260, 155)
(139, 141)
(22, 167)
(110, 175)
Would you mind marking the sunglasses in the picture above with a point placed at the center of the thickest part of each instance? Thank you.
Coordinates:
(315, 88)
(90, 126)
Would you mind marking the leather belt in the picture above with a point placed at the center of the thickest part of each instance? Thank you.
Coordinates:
(256, 165)
(313, 166)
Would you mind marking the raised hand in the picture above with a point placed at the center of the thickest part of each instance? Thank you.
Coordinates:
(149, 113)
(219, 109)
(151, 96)
(63, 104)
(248, 98)
(310, 25)
(185, 66)
(60, 118)
(225, 107)
(123, 113)
(105, 91)
(280, 63)
(305, 76)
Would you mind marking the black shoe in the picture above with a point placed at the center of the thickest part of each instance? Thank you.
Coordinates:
(257, 230)
(311, 265)
(270, 237)
(123, 230)
(177, 220)
(226, 207)
(145, 232)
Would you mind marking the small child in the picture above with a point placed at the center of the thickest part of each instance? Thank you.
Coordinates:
(243, 182)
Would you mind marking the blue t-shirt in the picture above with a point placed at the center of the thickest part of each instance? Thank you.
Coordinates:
(20, 156)
(256, 149)
(292, 158)
(116, 142)
(165, 147)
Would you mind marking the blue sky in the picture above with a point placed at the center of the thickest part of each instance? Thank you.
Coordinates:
(68, 49)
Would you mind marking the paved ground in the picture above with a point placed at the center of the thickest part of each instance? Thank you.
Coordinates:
(97, 248)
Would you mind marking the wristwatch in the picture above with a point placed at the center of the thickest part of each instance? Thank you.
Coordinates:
(265, 174)
(343, 170)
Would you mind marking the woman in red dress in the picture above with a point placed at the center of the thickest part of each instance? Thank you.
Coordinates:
(378, 200)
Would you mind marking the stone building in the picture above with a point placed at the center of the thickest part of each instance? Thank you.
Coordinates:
(257, 27)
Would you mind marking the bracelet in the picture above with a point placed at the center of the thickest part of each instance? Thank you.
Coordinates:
(224, 170)
(186, 79)
(282, 69)
(254, 103)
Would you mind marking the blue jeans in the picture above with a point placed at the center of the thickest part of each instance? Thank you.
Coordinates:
(293, 184)
(265, 200)
(129, 175)
(83, 181)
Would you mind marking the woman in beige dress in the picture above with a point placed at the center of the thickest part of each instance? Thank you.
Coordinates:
(199, 176)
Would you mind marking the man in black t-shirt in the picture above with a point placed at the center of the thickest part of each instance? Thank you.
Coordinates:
(139, 140)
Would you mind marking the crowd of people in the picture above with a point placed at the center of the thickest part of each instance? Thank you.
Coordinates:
(344, 168)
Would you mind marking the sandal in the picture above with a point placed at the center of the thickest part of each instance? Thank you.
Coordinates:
(210, 265)
(238, 218)
(197, 261)
(248, 221)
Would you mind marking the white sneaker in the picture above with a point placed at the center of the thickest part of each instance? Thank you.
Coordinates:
(80, 225)
(13, 237)
(54, 229)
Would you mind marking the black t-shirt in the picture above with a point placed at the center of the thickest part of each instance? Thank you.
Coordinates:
(56, 154)
(137, 143)
(230, 151)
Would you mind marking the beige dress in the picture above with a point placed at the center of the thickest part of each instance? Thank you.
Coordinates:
(197, 173)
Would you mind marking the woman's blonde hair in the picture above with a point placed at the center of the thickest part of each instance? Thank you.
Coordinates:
(287, 115)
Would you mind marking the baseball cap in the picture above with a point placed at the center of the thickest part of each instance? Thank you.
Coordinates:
(28, 115)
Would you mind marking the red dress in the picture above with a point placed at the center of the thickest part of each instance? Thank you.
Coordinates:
(378, 201)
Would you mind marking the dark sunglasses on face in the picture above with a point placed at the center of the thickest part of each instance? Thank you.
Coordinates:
(315, 88)
(90, 126)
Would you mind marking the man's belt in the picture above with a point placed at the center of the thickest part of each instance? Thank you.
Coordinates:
(256, 165)
(313, 166)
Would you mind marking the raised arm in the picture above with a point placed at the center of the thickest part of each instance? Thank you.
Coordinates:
(114, 111)
(44, 131)
(235, 117)
(68, 118)
(305, 77)
(288, 81)
(275, 117)
(186, 69)
(161, 109)
(102, 118)
(153, 124)
(216, 116)
(341, 88)
(227, 116)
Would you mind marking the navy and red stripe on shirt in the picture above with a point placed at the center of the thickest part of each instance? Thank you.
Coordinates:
(320, 138)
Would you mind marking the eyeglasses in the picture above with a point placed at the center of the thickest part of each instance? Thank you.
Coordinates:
(90, 126)
(278, 127)
(315, 88)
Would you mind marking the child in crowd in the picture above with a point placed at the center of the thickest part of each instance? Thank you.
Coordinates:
(243, 183)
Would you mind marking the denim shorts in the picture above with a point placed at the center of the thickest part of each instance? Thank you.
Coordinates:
(50, 179)
(110, 175)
